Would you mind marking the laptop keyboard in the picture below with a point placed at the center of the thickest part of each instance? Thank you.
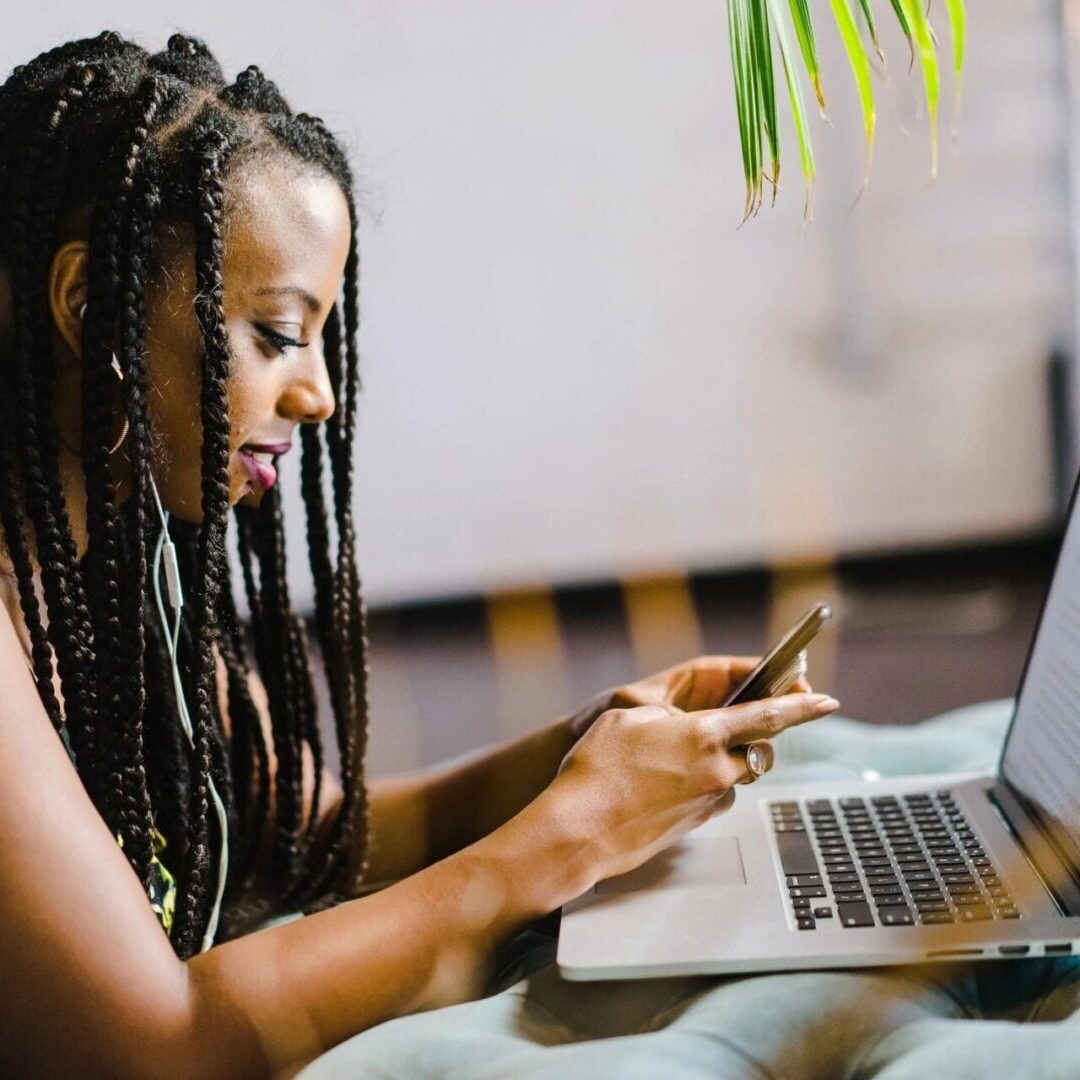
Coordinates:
(886, 861)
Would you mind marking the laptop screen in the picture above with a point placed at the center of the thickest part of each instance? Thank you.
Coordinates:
(1042, 754)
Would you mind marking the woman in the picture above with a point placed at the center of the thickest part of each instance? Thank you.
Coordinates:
(173, 247)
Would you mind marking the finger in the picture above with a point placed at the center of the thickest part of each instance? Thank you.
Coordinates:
(765, 719)
(707, 680)
(739, 753)
(725, 802)
(799, 686)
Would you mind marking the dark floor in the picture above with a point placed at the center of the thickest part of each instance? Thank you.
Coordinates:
(911, 637)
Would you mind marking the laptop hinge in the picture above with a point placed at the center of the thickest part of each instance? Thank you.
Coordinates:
(1041, 854)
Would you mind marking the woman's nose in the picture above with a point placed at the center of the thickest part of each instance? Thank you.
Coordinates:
(309, 397)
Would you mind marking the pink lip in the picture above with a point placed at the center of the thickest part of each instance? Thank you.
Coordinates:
(264, 475)
(269, 448)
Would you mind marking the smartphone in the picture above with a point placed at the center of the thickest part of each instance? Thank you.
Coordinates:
(777, 670)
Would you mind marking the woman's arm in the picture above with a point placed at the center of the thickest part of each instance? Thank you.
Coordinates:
(90, 986)
(419, 819)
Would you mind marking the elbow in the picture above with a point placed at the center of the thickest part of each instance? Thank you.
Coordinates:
(190, 1029)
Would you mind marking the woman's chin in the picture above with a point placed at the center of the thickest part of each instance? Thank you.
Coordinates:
(250, 495)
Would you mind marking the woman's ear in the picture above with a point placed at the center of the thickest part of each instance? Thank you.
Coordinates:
(68, 287)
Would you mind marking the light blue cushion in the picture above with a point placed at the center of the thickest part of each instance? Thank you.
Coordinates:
(1007, 1020)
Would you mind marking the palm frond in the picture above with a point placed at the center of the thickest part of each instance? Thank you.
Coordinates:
(798, 110)
(868, 15)
(923, 36)
(804, 31)
(752, 25)
(860, 67)
(958, 24)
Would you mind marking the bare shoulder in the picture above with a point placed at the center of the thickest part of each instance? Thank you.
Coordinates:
(69, 901)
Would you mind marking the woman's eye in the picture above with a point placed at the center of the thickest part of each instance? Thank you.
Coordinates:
(279, 342)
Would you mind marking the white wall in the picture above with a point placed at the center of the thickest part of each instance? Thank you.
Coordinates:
(575, 366)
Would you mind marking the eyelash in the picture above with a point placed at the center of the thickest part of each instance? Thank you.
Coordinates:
(279, 341)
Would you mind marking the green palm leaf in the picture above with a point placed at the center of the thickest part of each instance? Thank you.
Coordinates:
(751, 27)
(924, 44)
(761, 46)
(860, 67)
(958, 23)
(798, 110)
(804, 31)
(868, 15)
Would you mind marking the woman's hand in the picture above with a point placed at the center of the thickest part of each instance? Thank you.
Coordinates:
(701, 683)
(643, 776)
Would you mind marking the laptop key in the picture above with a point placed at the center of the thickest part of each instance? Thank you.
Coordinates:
(800, 902)
(892, 900)
(796, 853)
(843, 879)
(931, 917)
(931, 905)
(806, 922)
(911, 876)
(823, 913)
(885, 890)
(900, 915)
(804, 879)
(807, 890)
(855, 914)
(975, 913)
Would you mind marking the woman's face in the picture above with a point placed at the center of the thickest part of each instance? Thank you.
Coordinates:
(284, 259)
(285, 247)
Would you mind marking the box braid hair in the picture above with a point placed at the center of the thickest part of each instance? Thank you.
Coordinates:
(99, 131)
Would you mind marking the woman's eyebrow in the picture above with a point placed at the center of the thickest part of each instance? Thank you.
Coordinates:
(279, 290)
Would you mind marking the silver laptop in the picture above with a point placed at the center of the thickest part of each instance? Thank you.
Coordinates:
(867, 872)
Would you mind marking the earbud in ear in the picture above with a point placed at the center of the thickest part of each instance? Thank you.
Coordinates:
(82, 311)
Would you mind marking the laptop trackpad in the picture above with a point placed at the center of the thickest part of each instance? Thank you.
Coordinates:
(713, 861)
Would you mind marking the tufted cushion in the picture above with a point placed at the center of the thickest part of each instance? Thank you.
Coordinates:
(1005, 1019)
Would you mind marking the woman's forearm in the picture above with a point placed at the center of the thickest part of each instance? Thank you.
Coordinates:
(276, 999)
(469, 800)
(417, 819)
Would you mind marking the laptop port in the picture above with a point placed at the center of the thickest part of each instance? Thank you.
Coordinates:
(1014, 950)
(1058, 950)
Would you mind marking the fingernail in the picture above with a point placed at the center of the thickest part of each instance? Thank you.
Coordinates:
(824, 703)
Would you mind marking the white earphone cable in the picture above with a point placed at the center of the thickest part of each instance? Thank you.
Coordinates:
(165, 548)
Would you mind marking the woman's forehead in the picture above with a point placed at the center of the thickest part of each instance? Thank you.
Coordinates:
(284, 224)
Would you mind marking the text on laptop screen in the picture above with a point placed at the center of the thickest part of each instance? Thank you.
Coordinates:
(1042, 756)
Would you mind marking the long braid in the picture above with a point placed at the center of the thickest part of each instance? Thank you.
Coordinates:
(69, 628)
(272, 649)
(142, 198)
(193, 912)
(250, 760)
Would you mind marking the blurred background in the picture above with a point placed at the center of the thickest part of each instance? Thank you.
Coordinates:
(603, 429)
